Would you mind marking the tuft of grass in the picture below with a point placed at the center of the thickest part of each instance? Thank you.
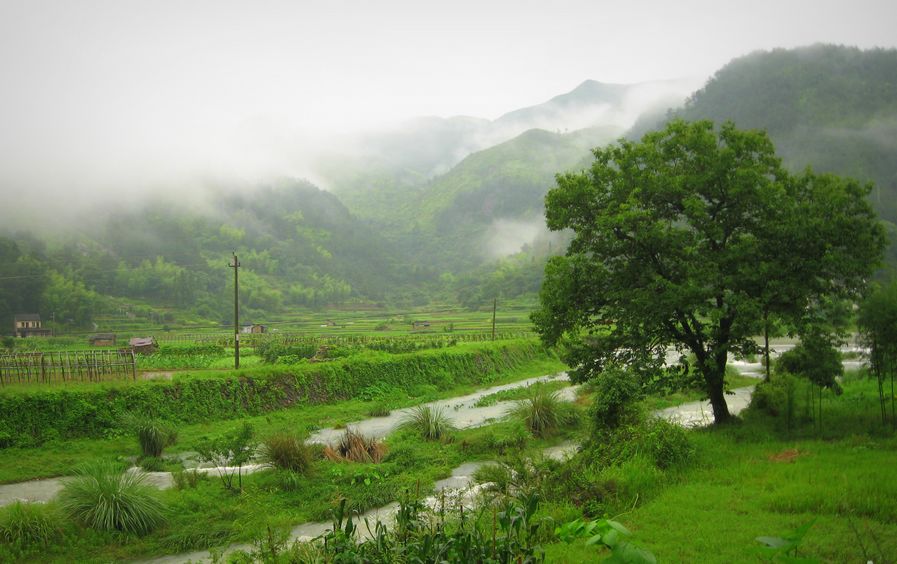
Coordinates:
(287, 451)
(187, 479)
(105, 497)
(543, 412)
(154, 435)
(430, 423)
(379, 409)
(353, 446)
(27, 525)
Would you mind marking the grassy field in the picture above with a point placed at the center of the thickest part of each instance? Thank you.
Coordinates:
(357, 319)
(756, 478)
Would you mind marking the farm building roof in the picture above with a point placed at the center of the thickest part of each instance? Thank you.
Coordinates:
(27, 317)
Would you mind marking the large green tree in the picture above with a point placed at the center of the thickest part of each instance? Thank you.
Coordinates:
(689, 239)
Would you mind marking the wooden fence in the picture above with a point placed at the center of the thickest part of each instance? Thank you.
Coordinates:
(58, 367)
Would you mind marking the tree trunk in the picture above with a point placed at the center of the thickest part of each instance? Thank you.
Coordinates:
(714, 376)
(718, 401)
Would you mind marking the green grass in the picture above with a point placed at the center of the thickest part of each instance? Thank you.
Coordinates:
(58, 458)
(430, 423)
(756, 479)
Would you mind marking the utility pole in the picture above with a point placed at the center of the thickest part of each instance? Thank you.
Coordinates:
(494, 305)
(236, 267)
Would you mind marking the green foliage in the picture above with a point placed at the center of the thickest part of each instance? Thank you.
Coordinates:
(431, 423)
(229, 452)
(510, 532)
(27, 526)
(815, 359)
(616, 397)
(287, 451)
(697, 262)
(32, 416)
(779, 397)
(105, 497)
(608, 533)
(877, 322)
(543, 412)
(666, 444)
(784, 549)
(154, 435)
(187, 479)
(826, 106)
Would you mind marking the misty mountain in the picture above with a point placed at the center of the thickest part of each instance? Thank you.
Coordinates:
(829, 107)
(491, 203)
(378, 169)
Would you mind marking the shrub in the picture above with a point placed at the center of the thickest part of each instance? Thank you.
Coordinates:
(287, 451)
(353, 446)
(154, 435)
(667, 443)
(27, 525)
(543, 412)
(105, 497)
(229, 453)
(616, 395)
(430, 423)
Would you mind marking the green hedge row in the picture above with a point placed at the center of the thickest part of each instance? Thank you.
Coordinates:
(29, 418)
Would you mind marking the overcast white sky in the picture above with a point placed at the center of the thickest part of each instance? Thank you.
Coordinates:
(92, 91)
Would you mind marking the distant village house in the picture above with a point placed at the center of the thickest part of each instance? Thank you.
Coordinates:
(254, 328)
(103, 340)
(143, 345)
(29, 325)
(420, 324)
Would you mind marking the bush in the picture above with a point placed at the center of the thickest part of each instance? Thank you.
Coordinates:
(287, 451)
(229, 453)
(543, 412)
(28, 525)
(355, 447)
(667, 443)
(430, 423)
(105, 497)
(154, 435)
(616, 395)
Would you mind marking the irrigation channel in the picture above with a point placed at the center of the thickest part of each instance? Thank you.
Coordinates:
(459, 487)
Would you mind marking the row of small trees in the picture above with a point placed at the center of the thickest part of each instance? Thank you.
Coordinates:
(877, 323)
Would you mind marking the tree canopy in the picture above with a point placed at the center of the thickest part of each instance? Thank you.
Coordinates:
(687, 240)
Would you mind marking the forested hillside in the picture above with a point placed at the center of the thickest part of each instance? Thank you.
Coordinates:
(298, 245)
(830, 107)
